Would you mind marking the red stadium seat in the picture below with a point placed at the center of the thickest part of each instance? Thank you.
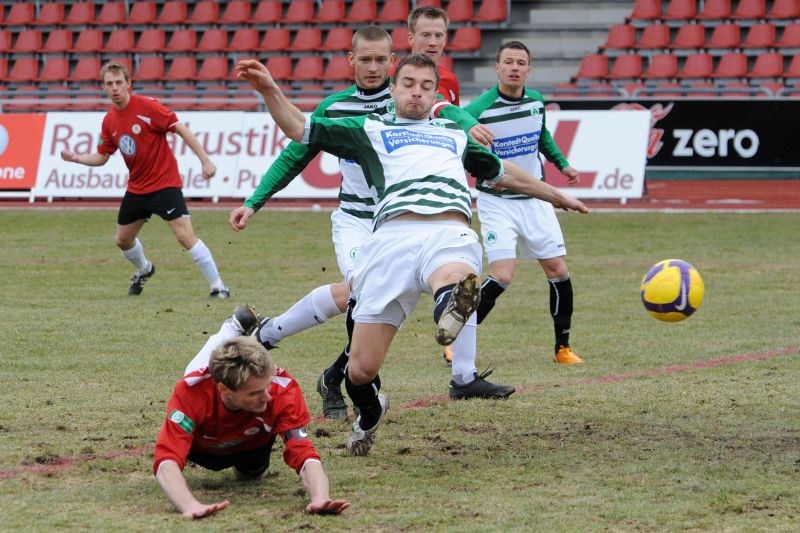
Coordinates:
(362, 12)
(631, 88)
(90, 40)
(465, 39)
(716, 9)
(268, 12)
(111, 14)
(732, 65)
(81, 13)
(338, 68)
(280, 67)
(151, 40)
(55, 69)
(662, 66)
(5, 41)
(429, 3)
(750, 9)
(173, 12)
(338, 40)
(88, 102)
(308, 68)
(626, 67)
(142, 13)
(690, 36)
(725, 36)
(654, 36)
(299, 12)
(244, 99)
(50, 14)
(307, 40)
(735, 85)
(331, 12)
(28, 41)
(125, 61)
(215, 40)
(182, 68)
(26, 106)
(236, 12)
(773, 87)
(87, 69)
(243, 40)
(793, 71)
(276, 40)
(646, 10)
(492, 11)
(620, 36)
(681, 10)
(310, 100)
(182, 97)
(400, 39)
(460, 10)
(593, 66)
(210, 97)
(784, 9)
(214, 68)
(768, 65)
(3, 68)
(669, 89)
(698, 66)
(182, 40)
(760, 36)
(24, 69)
(21, 14)
(790, 37)
(610, 90)
(204, 12)
(58, 41)
(394, 11)
(120, 41)
(150, 68)
(701, 85)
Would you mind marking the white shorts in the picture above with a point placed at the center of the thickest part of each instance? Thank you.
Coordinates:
(393, 266)
(530, 224)
(349, 233)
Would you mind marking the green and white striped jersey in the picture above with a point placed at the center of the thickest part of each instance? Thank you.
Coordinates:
(520, 132)
(413, 165)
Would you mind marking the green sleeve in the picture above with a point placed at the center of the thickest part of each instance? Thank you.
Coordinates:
(343, 137)
(293, 159)
(459, 116)
(548, 147)
(481, 163)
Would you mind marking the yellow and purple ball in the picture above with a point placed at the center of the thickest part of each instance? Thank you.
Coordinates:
(672, 290)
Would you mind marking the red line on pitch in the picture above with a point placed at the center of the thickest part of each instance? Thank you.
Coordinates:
(64, 463)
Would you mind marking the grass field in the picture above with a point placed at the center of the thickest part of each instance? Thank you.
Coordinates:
(688, 426)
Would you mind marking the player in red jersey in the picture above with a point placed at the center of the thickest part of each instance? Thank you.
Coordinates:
(427, 34)
(227, 411)
(138, 127)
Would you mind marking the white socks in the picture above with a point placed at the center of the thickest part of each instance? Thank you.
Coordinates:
(136, 256)
(202, 257)
(316, 307)
(465, 350)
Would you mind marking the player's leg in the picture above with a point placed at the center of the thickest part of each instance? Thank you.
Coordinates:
(329, 383)
(561, 304)
(130, 219)
(242, 321)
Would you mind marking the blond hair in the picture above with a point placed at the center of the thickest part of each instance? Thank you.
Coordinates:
(116, 68)
(239, 359)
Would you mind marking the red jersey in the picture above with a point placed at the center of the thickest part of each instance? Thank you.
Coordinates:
(448, 83)
(197, 420)
(140, 133)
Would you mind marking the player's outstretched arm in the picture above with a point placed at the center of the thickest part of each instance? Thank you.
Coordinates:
(93, 160)
(171, 480)
(289, 118)
(316, 483)
(239, 217)
(517, 180)
(209, 168)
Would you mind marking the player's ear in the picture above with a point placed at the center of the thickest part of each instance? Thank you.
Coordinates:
(351, 58)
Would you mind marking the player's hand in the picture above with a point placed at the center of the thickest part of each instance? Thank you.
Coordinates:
(68, 155)
(570, 203)
(573, 176)
(481, 134)
(327, 507)
(256, 74)
(239, 217)
(201, 510)
(209, 169)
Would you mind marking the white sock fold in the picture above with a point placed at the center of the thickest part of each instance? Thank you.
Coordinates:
(202, 257)
(465, 350)
(316, 307)
(136, 256)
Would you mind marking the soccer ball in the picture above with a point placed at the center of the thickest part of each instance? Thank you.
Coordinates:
(672, 290)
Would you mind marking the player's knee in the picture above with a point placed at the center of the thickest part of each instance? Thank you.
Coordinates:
(504, 277)
(360, 375)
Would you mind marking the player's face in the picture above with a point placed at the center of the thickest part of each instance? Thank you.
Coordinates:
(252, 397)
(512, 71)
(117, 88)
(429, 37)
(371, 61)
(414, 91)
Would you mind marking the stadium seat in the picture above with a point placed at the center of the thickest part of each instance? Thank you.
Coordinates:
(50, 14)
(88, 102)
(142, 13)
(24, 69)
(125, 61)
(89, 41)
(80, 14)
(182, 97)
(610, 90)
(268, 12)
(5, 41)
(58, 41)
(151, 40)
(338, 68)
(215, 40)
(400, 39)
(182, 40)
(715, 9)
(173, 12)
(793, 71)
(768, 65)
(363, 12)
(276, 40)
(631, 88)
(773, 87)
(111, 14)
(299, 12)
(784, 9)
(701, 85)
(690, 36)
(307, 40)
(3, 68)
(55, 69)
(28, 41)
(150, 68)
(244, 99)
(725, 36)
(465, 39)
(593, 67)
(646, 10)
(681, 10)
(204, 12)
(628, 66)
(338, 40)
(120, 41)
(280, 67)
(87, 69)
(394, 11)
(735, 85)
(308, 68)
(790, 37)
(760, 36)
(310, 101)
(697, 66)
(212, 97)
(236, 12)
(662, 66)
(330, 12)
(654, 36)
(213, 68)
(492, 11)
(429, 3)
(243, 40)
(15, 96)
(620, 36)
(667, 89)
(460, 10)
(21, 14)
(750, 9)
(732, 65)
(182, 68)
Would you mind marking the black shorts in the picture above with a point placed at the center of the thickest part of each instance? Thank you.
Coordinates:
(167, 203)
(251, 462)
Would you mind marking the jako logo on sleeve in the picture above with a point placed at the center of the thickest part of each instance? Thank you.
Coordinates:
(398, 138)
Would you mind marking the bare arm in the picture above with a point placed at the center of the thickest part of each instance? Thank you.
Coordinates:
(521, 182)
(171, 480)
(93, 160)
(289, 119)
(316, 483)
(209, 168)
